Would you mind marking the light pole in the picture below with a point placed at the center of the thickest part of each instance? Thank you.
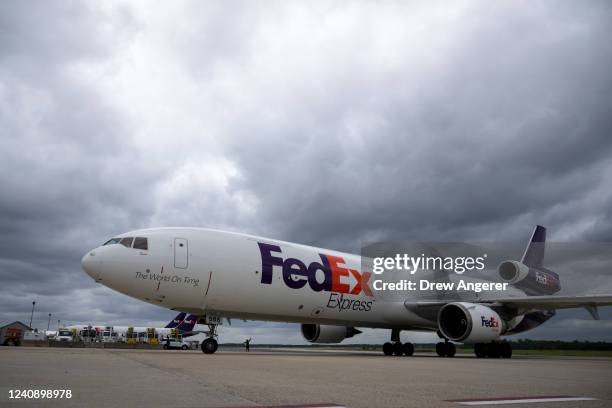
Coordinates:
(32, 314)
(58, 325)
(49, 322)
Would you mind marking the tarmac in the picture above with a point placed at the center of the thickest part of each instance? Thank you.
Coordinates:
(273, 377)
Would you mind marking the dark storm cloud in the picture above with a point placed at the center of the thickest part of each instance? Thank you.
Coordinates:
(68, 175)
(321, 124)
(515, 127)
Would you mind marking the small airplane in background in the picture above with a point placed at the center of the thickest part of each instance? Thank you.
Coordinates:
(216, 275)
(182, 323)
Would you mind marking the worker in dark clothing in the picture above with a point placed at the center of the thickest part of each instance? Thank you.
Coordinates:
(247, 344)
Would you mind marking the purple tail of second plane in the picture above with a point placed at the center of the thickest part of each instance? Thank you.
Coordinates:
(188, 324)
(176, 321)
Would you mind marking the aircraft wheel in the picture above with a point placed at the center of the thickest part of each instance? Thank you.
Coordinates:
(450, 349)
(209, 346)
(408, 349)
(440, 349)
(493, 350)
(480, 349)
(398, 349)
(506, 350)
(388, 349)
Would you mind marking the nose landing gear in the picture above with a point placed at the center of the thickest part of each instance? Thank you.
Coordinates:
(210, 345)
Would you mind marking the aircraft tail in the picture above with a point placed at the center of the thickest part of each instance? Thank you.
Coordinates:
(534, 253)
(188, 324)
(176, 321)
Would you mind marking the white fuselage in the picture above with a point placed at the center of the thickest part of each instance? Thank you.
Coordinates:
(225, 274)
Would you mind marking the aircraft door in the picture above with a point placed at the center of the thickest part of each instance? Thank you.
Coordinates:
(181, 253)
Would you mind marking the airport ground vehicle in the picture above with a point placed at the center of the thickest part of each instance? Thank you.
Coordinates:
(64, 335)
(175, 343)
(216, 274)
(34, 335)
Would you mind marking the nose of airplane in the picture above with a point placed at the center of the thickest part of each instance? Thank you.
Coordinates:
(89, 264)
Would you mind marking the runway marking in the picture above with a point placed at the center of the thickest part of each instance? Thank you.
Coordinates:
(324, 405)
(520, 400)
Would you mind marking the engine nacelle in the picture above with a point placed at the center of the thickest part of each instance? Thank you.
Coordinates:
(534, 281)
(469, 322)
(319, 333)
(512, 271)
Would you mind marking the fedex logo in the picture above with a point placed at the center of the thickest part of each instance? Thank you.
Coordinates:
(296, 274)
(545, 279)
(492, 322)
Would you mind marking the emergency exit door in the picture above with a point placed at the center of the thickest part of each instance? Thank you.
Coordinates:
(181, 253)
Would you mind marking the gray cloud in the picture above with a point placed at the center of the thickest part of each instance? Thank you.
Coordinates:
(316, 123)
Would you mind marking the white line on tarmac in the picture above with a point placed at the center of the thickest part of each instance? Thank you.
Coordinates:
(520, 400)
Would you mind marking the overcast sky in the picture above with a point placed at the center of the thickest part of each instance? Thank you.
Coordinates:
(324, 123)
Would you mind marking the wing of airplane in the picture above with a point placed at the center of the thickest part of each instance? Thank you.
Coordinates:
(589, 302)
(530, 276)
(552, 301)
(549, 302)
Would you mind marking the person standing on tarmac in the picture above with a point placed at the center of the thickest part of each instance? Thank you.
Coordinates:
(247, 344)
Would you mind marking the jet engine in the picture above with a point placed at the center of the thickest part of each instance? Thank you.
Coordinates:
(470, 322)
(319, 333)
(533, 281)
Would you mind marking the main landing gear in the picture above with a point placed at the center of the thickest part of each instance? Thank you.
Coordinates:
(493, 349)
(396, 348)
(446, 349)
(210, 345)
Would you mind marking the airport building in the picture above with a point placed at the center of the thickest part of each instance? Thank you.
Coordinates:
(12, 333)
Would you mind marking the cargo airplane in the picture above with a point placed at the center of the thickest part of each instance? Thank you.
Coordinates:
(182, 324)
(215, 275)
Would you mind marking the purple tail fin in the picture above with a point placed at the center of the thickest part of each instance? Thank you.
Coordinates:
(176, 321)
(534, 253)
(188, 324)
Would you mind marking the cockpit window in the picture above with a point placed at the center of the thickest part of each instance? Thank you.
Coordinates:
(126, 242)
(112, 241)
(141, 243)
